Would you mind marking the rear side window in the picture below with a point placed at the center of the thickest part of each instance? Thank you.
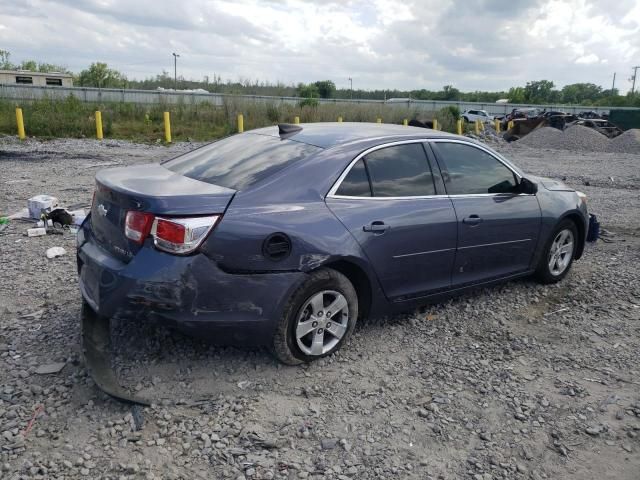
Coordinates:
(470, 170)
(240, 161)
(400, 171)
(356, 183)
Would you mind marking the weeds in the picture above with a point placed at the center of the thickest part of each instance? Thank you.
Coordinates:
(49, 118)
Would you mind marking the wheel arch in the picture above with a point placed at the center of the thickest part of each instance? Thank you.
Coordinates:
(578, 221)
(360, 281)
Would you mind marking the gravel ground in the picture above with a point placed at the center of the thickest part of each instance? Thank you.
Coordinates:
(521, 381)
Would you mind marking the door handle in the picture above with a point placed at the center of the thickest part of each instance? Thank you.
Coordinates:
(376, 227)
(472, 220)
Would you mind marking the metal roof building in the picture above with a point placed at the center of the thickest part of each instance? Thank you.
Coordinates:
(26, 77)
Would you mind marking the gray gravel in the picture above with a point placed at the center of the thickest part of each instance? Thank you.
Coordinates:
(628, 142)
(520, 381)
(582, 139)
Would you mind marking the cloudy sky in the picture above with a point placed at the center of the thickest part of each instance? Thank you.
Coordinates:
(471, 44)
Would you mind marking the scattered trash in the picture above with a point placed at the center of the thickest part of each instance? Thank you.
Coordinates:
(138, 417)
(50, 368)
(4, 220)
(39, 409)
(36, 314)
(36, 232)
(54, 252)
(41, 223)
(60, 217)
(244, 384)
(39, 203)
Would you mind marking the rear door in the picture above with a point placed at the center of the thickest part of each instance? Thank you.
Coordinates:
(498, 227)
(388, 200)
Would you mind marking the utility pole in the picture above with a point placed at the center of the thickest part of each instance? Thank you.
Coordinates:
(351, 87)
(613, 85)
(175, 70)
(635, 74)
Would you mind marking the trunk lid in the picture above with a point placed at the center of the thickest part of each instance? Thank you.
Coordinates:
(147, 188)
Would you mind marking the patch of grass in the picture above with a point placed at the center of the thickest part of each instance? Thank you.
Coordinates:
(49, 118)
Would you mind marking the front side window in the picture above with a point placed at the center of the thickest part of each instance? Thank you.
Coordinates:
(469, 170)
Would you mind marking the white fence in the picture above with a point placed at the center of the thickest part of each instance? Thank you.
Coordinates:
(21, 93)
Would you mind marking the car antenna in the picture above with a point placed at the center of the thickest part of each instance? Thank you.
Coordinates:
(288, 129)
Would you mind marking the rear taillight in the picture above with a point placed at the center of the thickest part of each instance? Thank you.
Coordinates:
(137, 225)
(182, 235)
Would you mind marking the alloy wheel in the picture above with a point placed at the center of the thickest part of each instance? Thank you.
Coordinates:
(322, 322)
(561, 252)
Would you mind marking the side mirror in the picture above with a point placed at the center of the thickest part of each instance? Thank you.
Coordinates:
(527, 186)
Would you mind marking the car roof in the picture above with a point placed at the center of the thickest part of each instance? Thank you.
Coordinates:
(330, 134)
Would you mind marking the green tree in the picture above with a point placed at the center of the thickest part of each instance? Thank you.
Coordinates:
(100, 75)
(308, 91)
(326, 88)
(538, 91)
(5, 63)
(449, 92)
(581, 92)
(516, 95)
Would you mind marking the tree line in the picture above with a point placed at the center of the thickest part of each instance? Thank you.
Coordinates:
(538, 92)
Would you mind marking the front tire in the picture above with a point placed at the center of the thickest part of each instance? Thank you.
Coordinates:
(557, 257)
(318, 319)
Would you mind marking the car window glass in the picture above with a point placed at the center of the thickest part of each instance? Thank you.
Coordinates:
(400, 171)
(240, 161)
(356, 183)
(470, 170)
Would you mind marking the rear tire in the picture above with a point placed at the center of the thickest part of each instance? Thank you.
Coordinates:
(309, 329)
(558, 253)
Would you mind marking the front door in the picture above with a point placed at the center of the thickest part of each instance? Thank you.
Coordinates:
(388, 202)
(498, 227)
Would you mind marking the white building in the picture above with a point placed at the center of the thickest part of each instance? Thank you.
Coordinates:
(25, 77)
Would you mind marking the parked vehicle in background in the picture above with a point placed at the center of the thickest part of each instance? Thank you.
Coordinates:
(590, 115)
(473, 115)
(286, 236)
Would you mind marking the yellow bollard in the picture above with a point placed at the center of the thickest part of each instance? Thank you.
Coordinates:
(405, 122)
(378, 120)
(99, 125)
(497, 125)
(435, 124)
(477, 127)
(296, 120)
(240, 123)
(20, 122)
(510, 124)
(339, 119)
(459, 126)
(167, 127)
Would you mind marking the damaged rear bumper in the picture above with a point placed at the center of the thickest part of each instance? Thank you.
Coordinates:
(190, 293)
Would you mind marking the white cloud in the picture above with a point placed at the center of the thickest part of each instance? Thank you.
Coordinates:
(472, 44)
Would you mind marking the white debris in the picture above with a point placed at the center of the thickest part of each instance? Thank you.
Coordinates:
(54, 252)
(36, 232)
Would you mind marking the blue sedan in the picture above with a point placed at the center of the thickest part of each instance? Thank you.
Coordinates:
(287, 235)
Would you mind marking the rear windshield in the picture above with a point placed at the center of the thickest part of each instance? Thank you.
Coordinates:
(240, 161)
